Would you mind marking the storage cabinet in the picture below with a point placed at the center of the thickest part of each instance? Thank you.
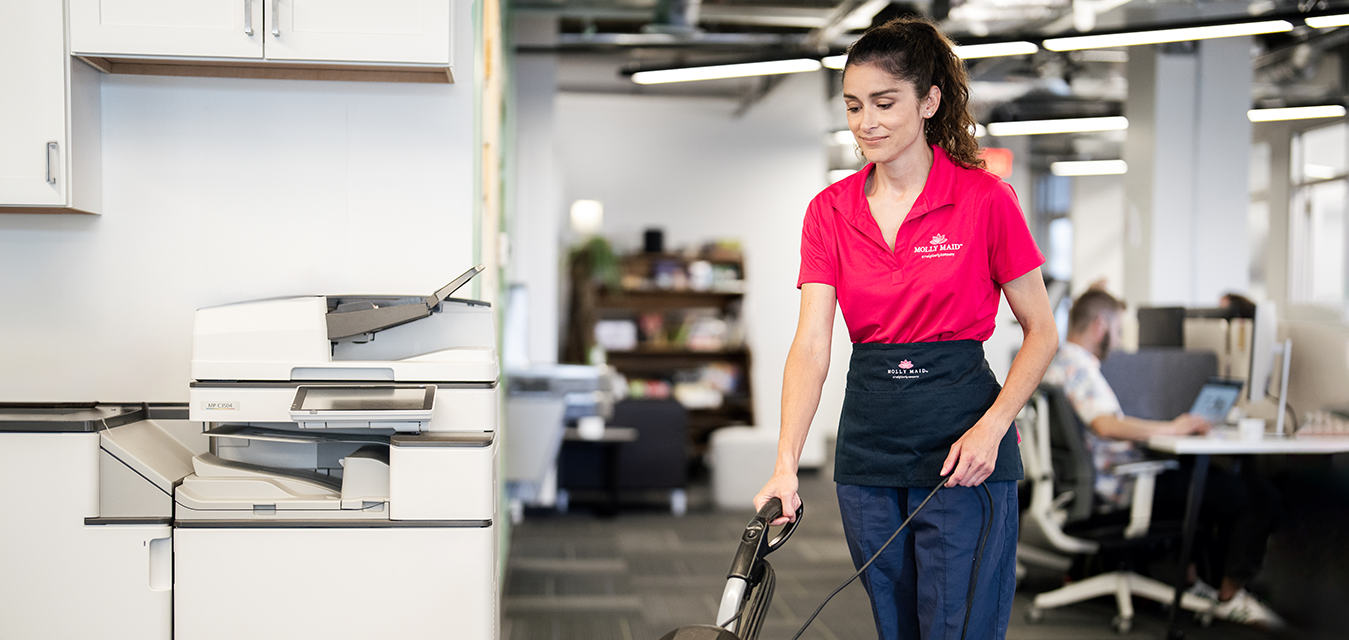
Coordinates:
(321, 39)
(672, 327)
(50, 116)
(205, 28)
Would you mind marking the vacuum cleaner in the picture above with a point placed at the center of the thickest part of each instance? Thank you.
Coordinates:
(750, 582)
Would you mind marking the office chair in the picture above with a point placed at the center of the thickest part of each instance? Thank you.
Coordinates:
(1063, 510)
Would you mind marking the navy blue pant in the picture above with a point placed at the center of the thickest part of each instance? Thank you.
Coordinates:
(918, 586)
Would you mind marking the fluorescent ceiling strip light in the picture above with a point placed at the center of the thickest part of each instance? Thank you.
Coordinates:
(1327, 22)
(1066, 125)
(1183, 34)
(717, 72)
(996, 49)
(835, 62)
(1088, 168)
(1295, 113)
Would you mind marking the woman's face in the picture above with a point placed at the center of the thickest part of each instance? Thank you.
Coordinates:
(885, 113)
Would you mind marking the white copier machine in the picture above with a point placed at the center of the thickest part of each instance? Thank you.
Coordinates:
(350, 488)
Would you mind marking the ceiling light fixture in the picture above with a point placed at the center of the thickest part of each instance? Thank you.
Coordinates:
(1327, 22)
(996, 49)
(835, 62)
(1295, 113)
(1088, 168)
(1065, 125)
(721, 71)
(1134, 38)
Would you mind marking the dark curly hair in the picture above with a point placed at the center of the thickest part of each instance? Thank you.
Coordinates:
(913, 50)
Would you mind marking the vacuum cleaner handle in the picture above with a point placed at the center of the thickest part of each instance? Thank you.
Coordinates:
(772, 510)
(753, 543)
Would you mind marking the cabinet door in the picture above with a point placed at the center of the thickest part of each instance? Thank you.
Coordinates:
(33, 112)
(389, 31)
(198, 28)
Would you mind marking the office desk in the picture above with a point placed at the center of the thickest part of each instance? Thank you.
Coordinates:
(609, 442)
(1225, 442)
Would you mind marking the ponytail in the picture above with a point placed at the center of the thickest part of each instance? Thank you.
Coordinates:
(913, 50)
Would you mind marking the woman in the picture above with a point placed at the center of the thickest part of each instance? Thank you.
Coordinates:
(915, 249)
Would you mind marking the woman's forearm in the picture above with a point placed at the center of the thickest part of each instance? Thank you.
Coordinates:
(1028, 367)
(802, 383)
(1029, 301)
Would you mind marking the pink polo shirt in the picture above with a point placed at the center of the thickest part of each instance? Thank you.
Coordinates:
(964, 237)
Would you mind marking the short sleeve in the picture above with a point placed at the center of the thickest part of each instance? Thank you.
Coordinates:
(1012, 251)
(819, 250)
(1090, 395)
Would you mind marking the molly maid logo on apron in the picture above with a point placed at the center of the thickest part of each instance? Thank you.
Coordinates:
(938, 247)
(905, 371)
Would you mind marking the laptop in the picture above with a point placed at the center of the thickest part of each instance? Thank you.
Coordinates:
(1216, 398)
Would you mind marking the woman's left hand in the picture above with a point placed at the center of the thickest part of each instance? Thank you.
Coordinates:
(973, 457)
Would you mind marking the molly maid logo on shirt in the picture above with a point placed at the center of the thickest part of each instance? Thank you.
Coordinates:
(938, 247)
(905, 370)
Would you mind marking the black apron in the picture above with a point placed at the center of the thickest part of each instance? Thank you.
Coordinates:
(906, 404)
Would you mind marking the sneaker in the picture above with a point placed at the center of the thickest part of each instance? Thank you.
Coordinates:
(1203, 590)
(1246, 609)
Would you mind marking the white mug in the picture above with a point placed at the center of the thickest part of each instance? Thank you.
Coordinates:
(1251, 428)
(590, 427)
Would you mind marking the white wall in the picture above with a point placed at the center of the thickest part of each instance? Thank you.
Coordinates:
(537, 218)
(688, 166)
(222, 190)
(1098, 227)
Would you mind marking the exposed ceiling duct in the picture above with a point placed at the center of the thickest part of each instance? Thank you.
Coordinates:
(675, 17)
(599, 38)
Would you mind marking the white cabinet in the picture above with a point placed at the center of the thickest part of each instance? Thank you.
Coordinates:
(62, 576)
(209, 28)
(197, 36)
(49, 117)
(406, 31)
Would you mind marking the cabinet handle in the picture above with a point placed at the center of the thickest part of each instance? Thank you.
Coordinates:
(52, 157)
(248, 18)
(276, 18)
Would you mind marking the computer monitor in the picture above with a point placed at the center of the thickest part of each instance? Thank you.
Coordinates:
(1161, 327)
(1266, 332)
(1266, 350)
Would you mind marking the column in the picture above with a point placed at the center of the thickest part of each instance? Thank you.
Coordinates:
(1186, 197)
(538, 210)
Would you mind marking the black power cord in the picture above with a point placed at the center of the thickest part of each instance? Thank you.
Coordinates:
(974, 578)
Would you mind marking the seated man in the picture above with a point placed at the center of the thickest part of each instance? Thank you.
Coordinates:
(1237, 508)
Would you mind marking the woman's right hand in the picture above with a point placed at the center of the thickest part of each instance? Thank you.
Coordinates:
(782, 486)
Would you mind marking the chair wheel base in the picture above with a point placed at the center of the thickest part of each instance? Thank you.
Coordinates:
(1035, 615)
(1121, 624)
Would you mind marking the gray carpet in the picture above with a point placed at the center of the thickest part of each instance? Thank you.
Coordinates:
(643, 573)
